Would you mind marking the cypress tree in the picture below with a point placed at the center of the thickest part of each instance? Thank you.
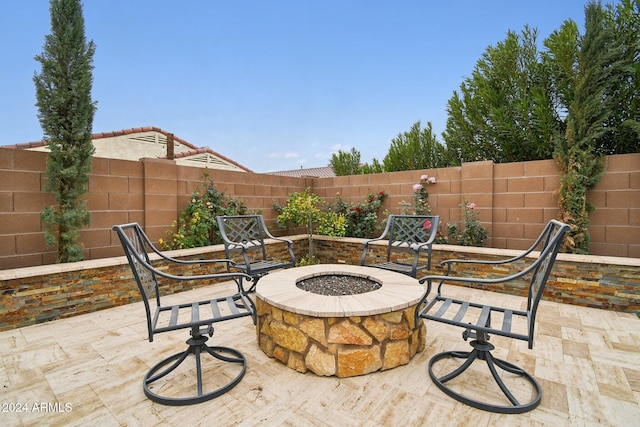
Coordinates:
(584, 69)
(65, 111)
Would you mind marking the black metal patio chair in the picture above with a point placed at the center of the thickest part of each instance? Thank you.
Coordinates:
(197, 316)
(479, 322)
(245, 235)
(407, 234)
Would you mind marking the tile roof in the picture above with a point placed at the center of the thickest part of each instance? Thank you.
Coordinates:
(321, 172)
(193, 150)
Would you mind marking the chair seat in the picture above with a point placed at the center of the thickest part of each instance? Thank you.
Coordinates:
(200, 313)
(457, 312)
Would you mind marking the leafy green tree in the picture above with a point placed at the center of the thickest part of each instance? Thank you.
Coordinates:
(416, 149)
(504, 111)
(302, 209)
(584, 77)
(65, 111)
(374, 167)
(623, 22)
(344, 163)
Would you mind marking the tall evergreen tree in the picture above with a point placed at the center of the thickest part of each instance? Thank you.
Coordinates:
(65, 111)
(584, 69)
(623, 22)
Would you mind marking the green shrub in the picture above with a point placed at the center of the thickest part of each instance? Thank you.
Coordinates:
(331, 224)
(420, 198)
(197, 224)
(469, 233)
(361, 218)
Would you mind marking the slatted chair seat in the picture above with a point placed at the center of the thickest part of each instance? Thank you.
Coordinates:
(481, 320)
(196, 314)
(199, 317)
(245, 235)
(408, 235)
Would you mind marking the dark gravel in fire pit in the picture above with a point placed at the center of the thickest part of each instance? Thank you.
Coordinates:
(338, 284)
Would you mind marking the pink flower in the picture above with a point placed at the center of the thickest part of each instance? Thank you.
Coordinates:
(424, 177)
(432, 180)
(417, 187)
(427, 225)
(471, 205)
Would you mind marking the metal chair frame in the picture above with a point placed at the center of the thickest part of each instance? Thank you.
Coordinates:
(246, 234)
(406, 233)
(198, 316)
(478, 325)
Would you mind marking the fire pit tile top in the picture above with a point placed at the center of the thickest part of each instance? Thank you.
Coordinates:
(397, 292)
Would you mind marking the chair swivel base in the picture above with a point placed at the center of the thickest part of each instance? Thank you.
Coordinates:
(482, 350)
(198, 348)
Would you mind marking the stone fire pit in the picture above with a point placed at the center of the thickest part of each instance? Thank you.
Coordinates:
(339, 335)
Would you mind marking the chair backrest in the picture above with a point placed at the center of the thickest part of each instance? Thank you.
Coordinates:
(136, 247)
(549, 243)
(248, 230)
(407, 230)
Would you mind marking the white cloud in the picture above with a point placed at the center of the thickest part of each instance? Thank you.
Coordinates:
(284, 155)
(340, 147)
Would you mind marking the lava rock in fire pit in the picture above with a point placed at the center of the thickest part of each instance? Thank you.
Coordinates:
(338, 284)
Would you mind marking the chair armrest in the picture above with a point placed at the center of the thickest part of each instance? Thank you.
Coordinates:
(281, 239)
(449, 262)
(462, 279)
(196, 277)
(382, 237)
(194, 261)
(187, 262)
(420, 246)
(236, 245)
(264, 228)
(366, 248)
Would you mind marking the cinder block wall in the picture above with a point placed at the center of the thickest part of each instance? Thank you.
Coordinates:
(513, 200)
(151, 192)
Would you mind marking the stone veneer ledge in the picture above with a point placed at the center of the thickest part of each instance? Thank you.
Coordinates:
(32, 295)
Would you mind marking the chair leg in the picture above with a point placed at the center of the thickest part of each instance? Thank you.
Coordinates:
(252, 289)
(482, 350)
(197, 347)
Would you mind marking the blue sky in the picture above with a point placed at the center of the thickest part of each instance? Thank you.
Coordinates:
(273, 85)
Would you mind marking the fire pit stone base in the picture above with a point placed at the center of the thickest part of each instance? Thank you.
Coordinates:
(333, 344)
